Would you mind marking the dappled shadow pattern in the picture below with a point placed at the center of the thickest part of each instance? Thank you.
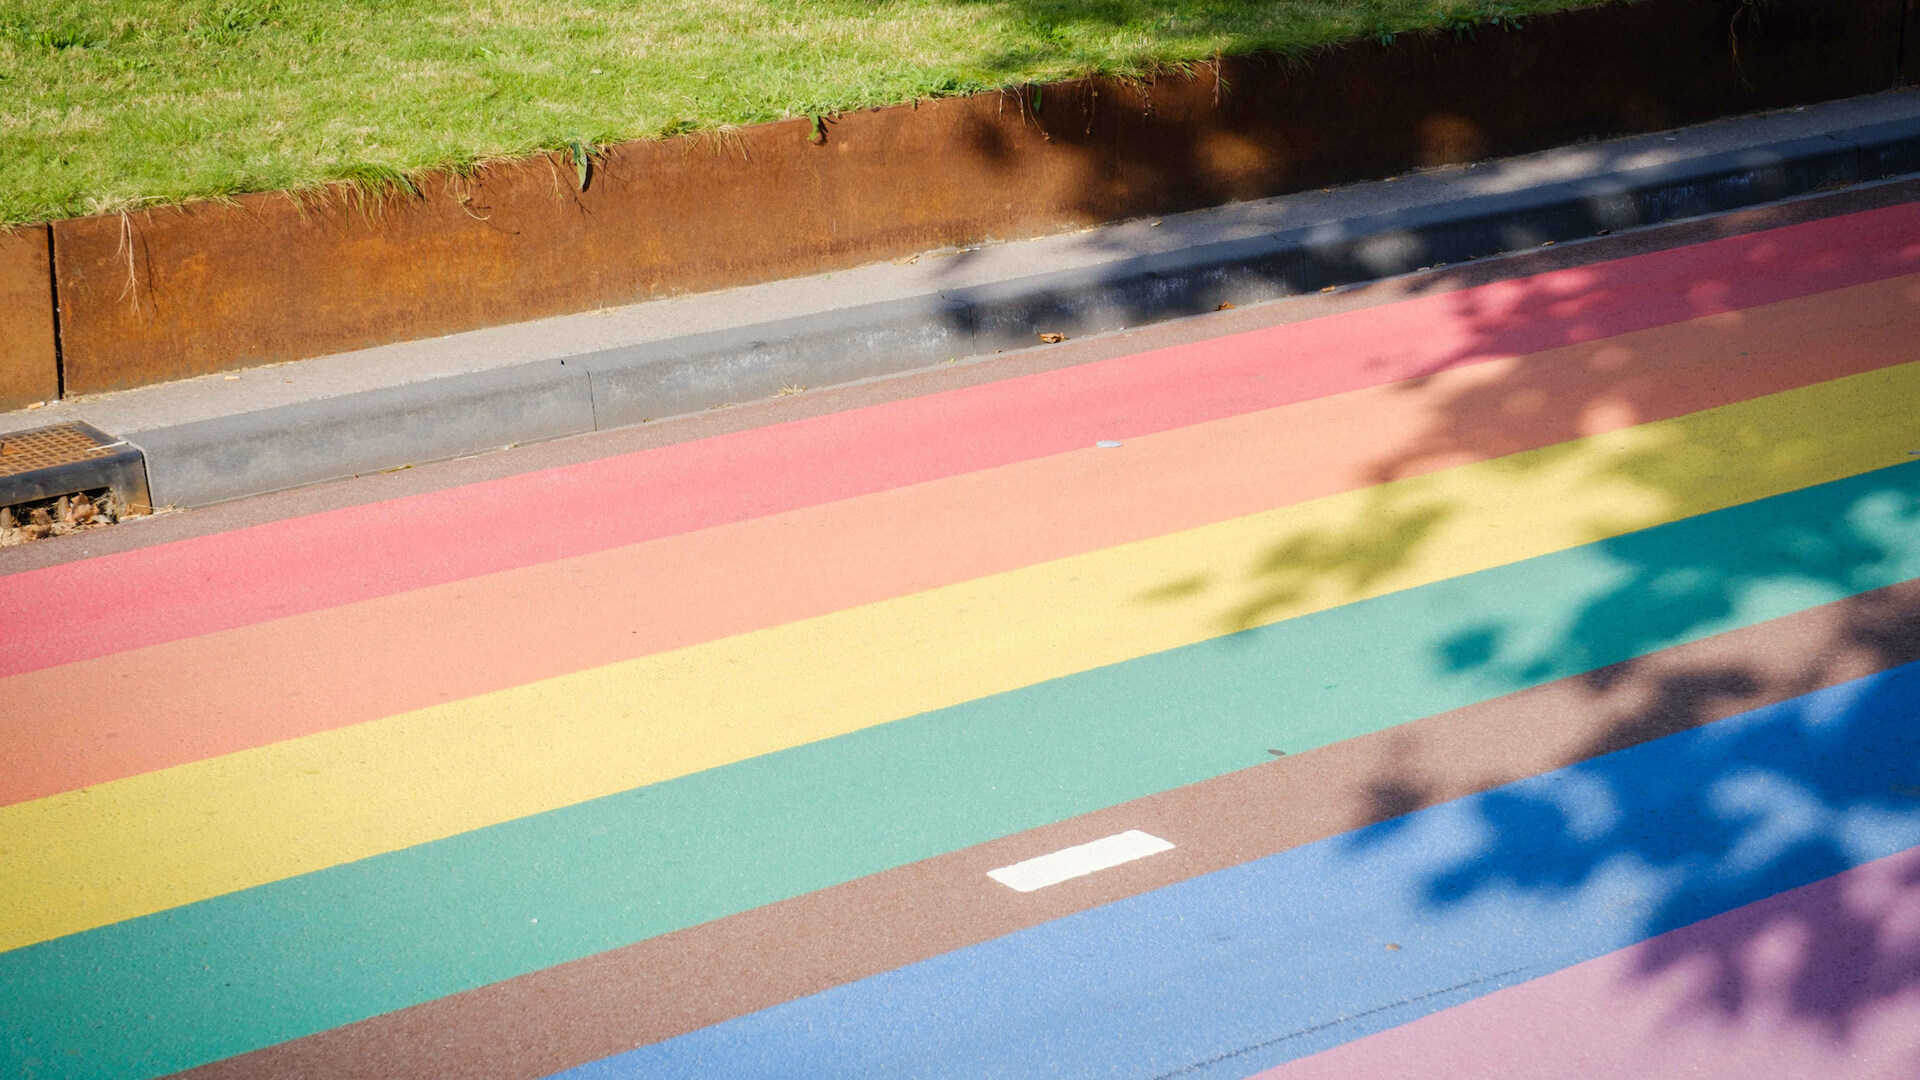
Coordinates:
(1728, 826)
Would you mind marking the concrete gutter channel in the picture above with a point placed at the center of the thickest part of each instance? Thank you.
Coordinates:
(261, 450)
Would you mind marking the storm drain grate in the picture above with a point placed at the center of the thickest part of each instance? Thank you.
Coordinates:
(49, 447)
(61, 459)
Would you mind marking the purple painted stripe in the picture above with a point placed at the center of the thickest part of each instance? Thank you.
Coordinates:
(1820, 982)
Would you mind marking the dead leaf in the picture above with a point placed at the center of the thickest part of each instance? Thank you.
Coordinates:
(1224, 305)
(1053, 339)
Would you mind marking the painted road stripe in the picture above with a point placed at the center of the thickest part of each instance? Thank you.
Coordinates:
(254, 968)
(1031, 875)
(1244, 968)
(131, 847)
(559, 1017)
(1817, 983)
(431, 646)
(199, 586)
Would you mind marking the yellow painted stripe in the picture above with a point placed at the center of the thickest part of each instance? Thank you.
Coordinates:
(146, 843)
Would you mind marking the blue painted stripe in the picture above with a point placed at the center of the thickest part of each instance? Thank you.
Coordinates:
(1242, 969)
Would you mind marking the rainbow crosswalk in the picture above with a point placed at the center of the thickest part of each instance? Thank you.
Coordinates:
(1524, 678)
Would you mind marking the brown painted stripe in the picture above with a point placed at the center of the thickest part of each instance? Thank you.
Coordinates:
(563, 1016)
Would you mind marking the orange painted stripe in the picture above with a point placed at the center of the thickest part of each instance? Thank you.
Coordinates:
(187, 700)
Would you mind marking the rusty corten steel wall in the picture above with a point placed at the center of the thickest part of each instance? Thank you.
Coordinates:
(176, 292)
(29, 366)
(1910, 45)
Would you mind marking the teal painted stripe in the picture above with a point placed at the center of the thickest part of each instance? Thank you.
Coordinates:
(238, 972)
(1221, 975)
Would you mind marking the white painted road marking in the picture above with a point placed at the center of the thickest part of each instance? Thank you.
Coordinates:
(1079, 861)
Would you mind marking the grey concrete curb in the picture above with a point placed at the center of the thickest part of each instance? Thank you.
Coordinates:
(635, 383)
(271, 449)
(252, 453)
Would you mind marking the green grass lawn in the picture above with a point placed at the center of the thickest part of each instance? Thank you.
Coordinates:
(109, 104)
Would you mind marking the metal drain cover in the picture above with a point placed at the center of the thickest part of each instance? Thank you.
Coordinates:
(60, 459)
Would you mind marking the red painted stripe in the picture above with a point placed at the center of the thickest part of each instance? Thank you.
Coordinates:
(172, 591)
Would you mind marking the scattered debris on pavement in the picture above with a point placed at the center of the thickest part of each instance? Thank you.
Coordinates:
(37, 520)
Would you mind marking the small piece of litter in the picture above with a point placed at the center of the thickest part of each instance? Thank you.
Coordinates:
(1153, 225)
(1053, 339)
(1330, 288)
(1109, 444)
(1392, 946)
(1276, 753)
(231, 378)
(1224, 305)
(36, 404)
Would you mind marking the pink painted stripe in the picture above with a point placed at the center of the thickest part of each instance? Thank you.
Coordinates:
(172, 591)
(1821, 983)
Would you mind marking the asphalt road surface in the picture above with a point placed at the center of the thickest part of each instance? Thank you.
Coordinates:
(1500, 676)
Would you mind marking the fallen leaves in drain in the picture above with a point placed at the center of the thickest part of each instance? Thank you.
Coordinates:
(42, 518)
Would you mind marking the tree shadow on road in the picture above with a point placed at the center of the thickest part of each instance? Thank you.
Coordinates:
(1542, 362)
(1757, 808)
